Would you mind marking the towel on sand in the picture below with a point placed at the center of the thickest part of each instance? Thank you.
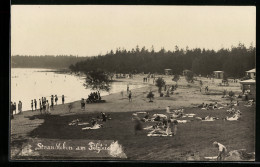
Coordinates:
(83, 123)
(215, 157)
(164, 135)
(97, 126)
(148, 128)
(160, 115)
(141, 112)
(183, 121)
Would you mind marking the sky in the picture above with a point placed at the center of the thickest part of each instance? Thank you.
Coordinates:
(89, 30)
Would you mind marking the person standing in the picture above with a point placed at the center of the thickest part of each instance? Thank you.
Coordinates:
(169, 127)
(35, 104)
(138, 125)
(15, 107)
(82, 104)
(32, 105)
(127, 88)
(56, 99)
(63, 99)
(47, 107)
(130, 96)
(52, 103)
(175, 123)
(99, 97)
(41, 107)
(44, 106)
(11, 110)
(20, 106)
(168, 109)
(222, 151)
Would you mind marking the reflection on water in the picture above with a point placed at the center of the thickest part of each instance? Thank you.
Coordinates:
(28, 84)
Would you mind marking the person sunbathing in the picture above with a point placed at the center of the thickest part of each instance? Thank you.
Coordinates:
(201, 105)
(157, 118)
(147, 115)
(235, 117)
(215, 106)
(205, 107)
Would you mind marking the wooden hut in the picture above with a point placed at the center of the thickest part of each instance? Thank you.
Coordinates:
(168, 71)
(251, 73)
(249, 88)
(218, 74)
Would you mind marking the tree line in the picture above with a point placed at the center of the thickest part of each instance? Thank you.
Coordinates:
(47, 61)
(234, 61)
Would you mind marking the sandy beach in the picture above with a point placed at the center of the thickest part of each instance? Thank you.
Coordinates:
(33, 125)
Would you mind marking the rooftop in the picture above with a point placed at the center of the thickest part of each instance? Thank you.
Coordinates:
(253, 70)
(248, 81)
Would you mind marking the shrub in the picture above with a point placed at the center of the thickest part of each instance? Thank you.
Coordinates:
(160, 83)
(150, 96)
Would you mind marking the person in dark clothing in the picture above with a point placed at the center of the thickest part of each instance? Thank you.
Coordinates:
(35, 104)
(63, 99)
(52, 101)
(32, 105)
(138, 125)
(93, 122)
(104, 118)
(82, 104)
(130, 96)
(56, 99)
(11, 110)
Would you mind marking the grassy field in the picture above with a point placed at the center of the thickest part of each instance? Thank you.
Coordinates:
(192, 142)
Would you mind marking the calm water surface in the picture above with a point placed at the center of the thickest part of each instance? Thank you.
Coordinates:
(28, 84)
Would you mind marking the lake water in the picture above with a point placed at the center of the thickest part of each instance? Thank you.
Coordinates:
(28, 84)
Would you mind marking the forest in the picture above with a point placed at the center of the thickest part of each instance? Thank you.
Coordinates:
(47, 61)
(234, 62)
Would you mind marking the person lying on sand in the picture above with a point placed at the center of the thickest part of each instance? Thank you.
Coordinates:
(146, 118)
(235, 117)
(222, 151)
(231, 110)
(205, 107)
(147, 115)
(207, 118)
(201, 105)
(249, 103)
(179, 115)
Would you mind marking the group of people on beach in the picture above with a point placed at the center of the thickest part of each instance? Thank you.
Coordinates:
(93, 97)
(13, 108)
(44, 105)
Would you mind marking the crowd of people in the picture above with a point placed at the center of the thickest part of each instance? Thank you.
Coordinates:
(13, 108)
(93, 97)
(44, 105)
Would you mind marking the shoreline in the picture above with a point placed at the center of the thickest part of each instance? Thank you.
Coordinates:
(78, 101)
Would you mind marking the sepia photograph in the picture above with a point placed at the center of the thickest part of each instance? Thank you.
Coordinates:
(132, 83)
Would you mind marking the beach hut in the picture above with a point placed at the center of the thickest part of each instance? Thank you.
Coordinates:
(251, 73)
(185, 72)
(168, 71)
(218, 74)
(248, 88)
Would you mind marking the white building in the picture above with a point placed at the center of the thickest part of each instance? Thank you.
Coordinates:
(251, 73)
